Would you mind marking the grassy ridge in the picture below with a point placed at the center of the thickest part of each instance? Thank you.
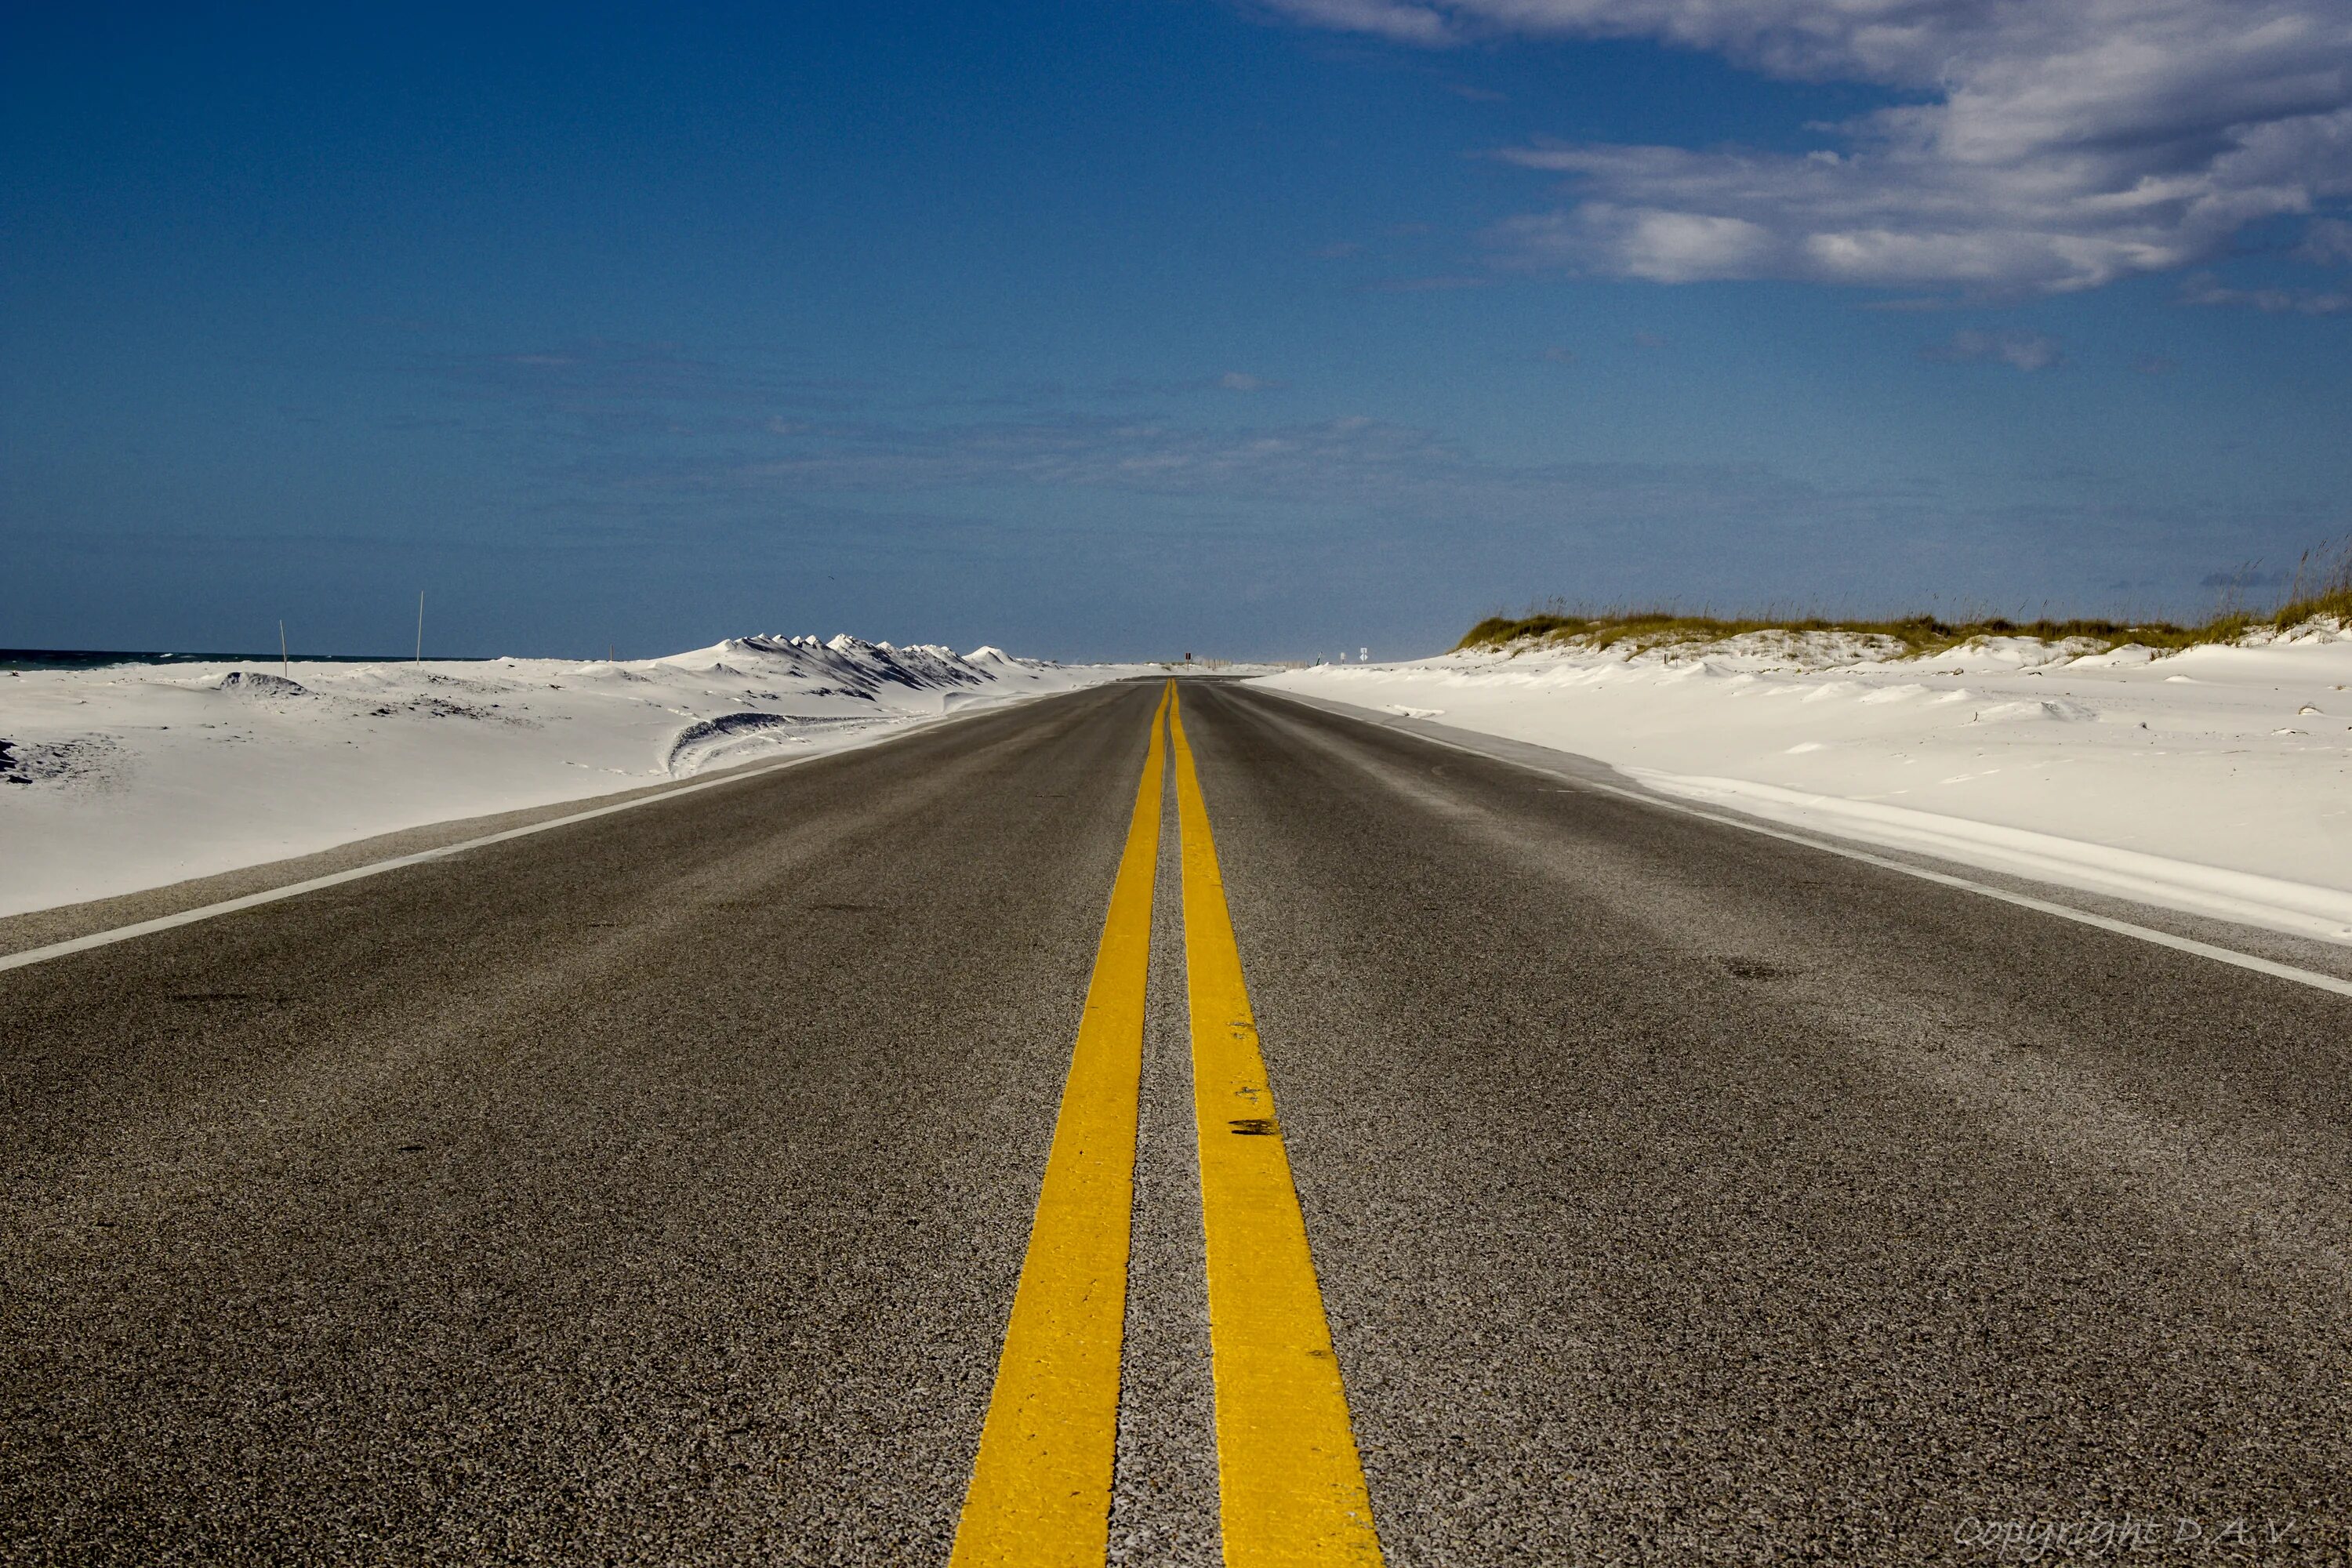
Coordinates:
(2320, 588)
(1917, 634)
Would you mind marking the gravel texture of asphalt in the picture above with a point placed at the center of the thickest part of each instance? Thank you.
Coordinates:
(654, 1189)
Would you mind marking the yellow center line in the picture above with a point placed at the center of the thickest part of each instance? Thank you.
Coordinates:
(1290, 1487)
(1040, 1491)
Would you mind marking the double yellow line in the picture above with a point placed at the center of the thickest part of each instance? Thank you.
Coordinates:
(1290, 1487)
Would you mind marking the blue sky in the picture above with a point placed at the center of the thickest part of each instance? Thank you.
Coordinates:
(1140, 326)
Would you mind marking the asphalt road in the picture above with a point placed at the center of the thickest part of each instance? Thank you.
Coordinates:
(654, 1189)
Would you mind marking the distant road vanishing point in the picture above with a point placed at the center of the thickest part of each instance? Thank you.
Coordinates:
(1167, 1123)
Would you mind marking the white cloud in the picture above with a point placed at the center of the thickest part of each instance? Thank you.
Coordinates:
(2204, 289)
(1406, 24)
(1662, 246)
(1239, 381)
(2325, 241)
(1355, 462)
(2059, 145)
(2021, 350)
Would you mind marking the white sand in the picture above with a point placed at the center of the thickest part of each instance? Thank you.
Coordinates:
(137, 775)
(2214, 780)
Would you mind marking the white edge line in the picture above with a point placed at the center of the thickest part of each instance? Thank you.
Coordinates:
(32, 955)
(2310, 977)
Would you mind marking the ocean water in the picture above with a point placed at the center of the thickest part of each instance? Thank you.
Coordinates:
(99, 659)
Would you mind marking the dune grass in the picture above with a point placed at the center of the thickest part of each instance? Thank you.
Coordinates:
(1919, 635)
(2321, 585)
